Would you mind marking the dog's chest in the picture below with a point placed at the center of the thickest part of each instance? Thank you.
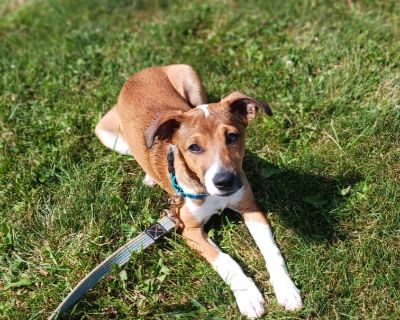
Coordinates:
(212, 205)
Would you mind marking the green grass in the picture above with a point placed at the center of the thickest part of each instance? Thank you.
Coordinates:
(325, 168)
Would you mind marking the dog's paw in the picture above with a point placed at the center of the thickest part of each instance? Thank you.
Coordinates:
(287, 293)
(149, 181)
(249, 299)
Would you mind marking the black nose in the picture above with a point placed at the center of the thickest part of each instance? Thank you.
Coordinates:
(224, 180)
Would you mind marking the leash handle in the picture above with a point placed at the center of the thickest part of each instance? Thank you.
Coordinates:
(119, 257)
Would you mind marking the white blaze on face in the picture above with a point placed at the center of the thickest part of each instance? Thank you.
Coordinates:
(204, 108)
(209, 176)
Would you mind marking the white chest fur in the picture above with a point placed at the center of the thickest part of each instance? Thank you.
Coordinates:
(211, 205)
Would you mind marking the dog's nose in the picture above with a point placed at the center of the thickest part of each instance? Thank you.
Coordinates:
(224, 180)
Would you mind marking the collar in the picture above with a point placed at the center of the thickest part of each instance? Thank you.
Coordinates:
(174, 182)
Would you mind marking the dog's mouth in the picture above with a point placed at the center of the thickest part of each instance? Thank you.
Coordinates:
(229, 193)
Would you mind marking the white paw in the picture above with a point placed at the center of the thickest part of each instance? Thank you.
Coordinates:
(249, 299)
(149, 181)
(287, 293)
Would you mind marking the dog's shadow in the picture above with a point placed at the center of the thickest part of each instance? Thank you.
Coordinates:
(302, 201)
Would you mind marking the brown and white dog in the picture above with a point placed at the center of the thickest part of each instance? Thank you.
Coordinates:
(164, 108)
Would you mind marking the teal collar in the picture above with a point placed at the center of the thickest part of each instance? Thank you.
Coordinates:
(174, 182)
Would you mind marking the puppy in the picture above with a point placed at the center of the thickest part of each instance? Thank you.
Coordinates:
(196, 150)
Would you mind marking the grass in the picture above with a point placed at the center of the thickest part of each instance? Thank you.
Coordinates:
(325, 167)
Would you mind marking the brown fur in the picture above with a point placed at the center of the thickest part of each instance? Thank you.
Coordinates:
(155, 110)
(153, 104)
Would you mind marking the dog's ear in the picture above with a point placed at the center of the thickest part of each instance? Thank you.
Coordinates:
(163, 127)
(245, 106)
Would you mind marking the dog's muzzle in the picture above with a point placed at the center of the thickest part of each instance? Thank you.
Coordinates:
(227, 182)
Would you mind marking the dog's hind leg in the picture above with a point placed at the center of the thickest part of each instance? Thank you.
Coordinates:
(109, 131)
(187, 82)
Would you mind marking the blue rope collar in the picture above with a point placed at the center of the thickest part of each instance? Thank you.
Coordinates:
(174, 182)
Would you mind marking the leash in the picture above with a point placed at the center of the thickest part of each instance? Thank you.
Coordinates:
(141, 242)
(119, 257)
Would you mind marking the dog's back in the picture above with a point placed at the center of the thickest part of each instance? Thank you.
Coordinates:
(144, 98)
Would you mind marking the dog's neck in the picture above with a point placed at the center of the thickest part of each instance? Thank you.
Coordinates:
(186, 178)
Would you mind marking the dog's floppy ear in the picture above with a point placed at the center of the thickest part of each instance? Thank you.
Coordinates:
(245, 106)
(163, 127)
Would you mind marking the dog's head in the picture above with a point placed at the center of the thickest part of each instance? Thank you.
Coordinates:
(211, 139)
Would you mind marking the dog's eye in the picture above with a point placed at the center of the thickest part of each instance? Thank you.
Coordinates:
(195, 148)
(232, 137)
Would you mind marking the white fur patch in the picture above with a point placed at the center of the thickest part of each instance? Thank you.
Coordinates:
(204, 108)
(209, 176)
(149, 181)
(249, 299)
(113, 141)
(287, 293)
(285, 290)
(212, 204)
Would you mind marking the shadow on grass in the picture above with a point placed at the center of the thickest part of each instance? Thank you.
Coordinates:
(305, 202)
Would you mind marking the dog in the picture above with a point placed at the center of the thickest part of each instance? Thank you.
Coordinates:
(196, 150)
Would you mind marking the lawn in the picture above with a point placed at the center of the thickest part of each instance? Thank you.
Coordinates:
(325, 168)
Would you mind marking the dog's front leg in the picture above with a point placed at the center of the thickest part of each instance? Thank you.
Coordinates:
(285, 290)
(249, 299)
